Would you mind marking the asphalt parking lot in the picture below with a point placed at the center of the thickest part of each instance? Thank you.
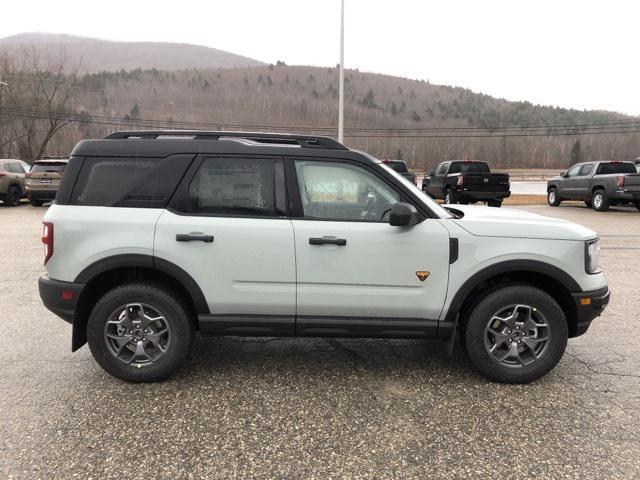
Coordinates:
(317, 408)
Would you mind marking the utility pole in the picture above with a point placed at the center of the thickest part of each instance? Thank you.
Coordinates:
(341, 87)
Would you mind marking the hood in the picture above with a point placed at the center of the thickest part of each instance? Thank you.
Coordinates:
(507, 222)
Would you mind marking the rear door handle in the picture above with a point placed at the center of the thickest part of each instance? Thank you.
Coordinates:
(341, 242)
(194, 237)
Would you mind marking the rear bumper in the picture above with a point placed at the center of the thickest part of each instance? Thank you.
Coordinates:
(589, 305)
(471, 195)
(59, 297)
(635, 195)
(41, 194)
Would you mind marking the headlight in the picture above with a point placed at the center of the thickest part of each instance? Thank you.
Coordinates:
(592, 256)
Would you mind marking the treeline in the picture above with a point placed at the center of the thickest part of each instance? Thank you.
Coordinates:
(387, 116)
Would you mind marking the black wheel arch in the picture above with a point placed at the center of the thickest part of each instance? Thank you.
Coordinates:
(109, 272)
(549, 278)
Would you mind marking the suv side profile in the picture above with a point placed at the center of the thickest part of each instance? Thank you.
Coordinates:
(12, 173)
(157, 235)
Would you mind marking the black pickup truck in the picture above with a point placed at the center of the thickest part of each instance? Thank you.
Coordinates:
(466, 181)
(599, 184)
(401, 167)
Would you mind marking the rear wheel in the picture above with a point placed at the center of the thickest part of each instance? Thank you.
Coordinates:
(599, 201)
(516, 334)
(13, 196)
(495, 203)
(35, 203)
(450, 197)
(139, 332)
(637, 204)
(552, 197)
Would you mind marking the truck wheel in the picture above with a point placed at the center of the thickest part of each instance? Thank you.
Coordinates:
(637, 204)
(450, 197)
(139, 332)
(13, 196)
(600, 201)
(552, 197)
(495, 203)
(35, 203)
(516, 334)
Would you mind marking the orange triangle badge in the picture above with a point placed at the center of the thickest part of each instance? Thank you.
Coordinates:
(422, 275)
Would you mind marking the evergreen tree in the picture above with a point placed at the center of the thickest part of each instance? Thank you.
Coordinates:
(576, 152)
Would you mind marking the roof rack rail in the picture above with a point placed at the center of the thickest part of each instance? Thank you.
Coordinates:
(304, 141)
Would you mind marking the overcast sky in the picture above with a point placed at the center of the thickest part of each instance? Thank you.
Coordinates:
(582, 54)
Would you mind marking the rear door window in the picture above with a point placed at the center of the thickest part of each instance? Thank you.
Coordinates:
(586, 169)
(234, 187)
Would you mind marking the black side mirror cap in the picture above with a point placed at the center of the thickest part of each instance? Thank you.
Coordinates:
(403, 215)
(563, 174)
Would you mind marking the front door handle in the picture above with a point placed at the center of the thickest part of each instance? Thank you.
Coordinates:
(341, 242)
(194, 237)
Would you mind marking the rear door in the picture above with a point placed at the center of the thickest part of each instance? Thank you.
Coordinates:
(358, 275)
(228, 228)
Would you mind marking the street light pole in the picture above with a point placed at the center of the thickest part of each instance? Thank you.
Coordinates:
(341, 93)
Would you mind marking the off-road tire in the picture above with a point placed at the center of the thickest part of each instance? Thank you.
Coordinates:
(176, 315)
(483, 311)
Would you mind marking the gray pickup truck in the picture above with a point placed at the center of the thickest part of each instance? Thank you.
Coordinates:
(599, 184)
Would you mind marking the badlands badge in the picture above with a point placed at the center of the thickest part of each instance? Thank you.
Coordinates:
(422, 275)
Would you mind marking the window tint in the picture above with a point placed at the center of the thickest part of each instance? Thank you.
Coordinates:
(341, 191)
(616, 167)
(441, 169)
(10, 167)
(104, 181)
(233, 186)
(586, 169)
(469, 167)
(57, 167)
(573, 171)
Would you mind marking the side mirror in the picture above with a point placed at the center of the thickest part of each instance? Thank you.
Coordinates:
(430, 172)
(403, 215)
(563, 174)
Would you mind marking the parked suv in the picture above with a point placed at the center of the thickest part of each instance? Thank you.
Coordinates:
(12, 174)
(157, 235)
(43, 180)
(599, 184)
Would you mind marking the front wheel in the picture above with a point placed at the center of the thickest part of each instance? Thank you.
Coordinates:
(139, 332)
(552, 197)
(516, 334)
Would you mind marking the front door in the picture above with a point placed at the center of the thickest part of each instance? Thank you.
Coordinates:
(568, 188)
(232, 236)
(356, 274)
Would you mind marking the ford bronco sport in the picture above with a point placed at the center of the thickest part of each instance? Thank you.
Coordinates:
(157, 235)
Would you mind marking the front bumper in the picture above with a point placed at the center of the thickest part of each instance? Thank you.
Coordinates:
(59, 297)
(589, 305)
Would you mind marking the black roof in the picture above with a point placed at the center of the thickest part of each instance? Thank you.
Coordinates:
(161, 143)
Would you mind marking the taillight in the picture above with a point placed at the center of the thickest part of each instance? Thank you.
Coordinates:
(2, 174)
(47, 240)
(460, 181)
(620, 182)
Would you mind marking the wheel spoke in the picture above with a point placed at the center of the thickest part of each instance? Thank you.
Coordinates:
(148, 320)
(140, 353)
(155, 337)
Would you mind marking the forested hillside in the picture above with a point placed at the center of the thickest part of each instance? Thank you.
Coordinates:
(387, 116)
